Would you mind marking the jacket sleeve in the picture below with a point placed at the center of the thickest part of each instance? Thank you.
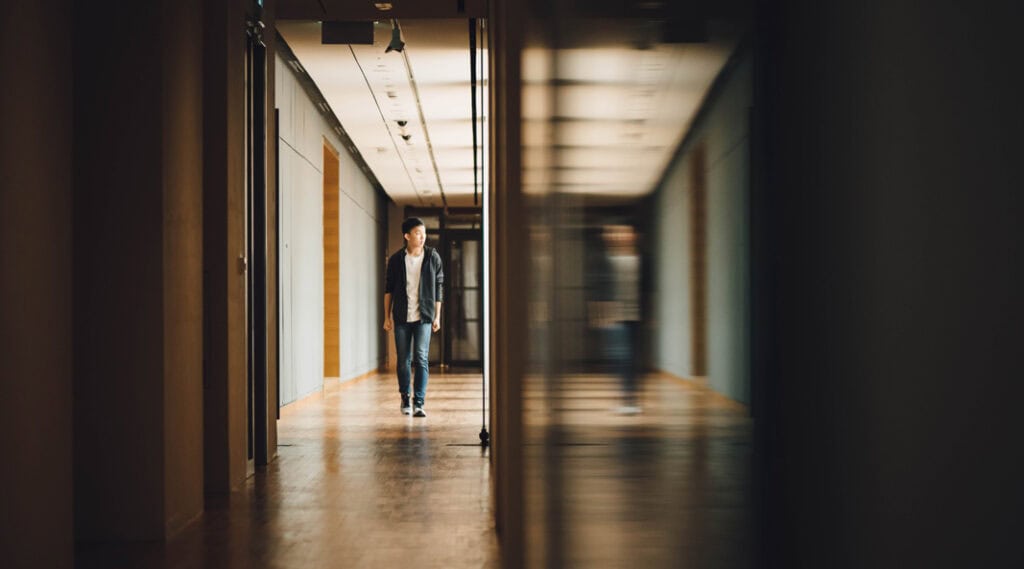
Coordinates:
(389, 277)
(438, 278)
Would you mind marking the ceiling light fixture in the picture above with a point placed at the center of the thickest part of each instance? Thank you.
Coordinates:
(396, 38)
(382, 6)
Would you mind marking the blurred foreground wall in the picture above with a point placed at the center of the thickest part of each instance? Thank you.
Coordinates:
(889, 337)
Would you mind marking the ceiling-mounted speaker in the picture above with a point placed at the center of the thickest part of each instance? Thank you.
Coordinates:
(396, 39)
(348, 33)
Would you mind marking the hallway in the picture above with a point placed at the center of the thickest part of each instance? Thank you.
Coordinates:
(356, 484)
(815, 207)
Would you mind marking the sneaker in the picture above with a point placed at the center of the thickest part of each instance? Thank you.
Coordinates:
(418, 409)
(406, 404)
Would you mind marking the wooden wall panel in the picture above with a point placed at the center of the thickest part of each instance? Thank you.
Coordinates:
(698, 260)
(332, 315)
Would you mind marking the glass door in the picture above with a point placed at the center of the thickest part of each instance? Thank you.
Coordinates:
(463, 316)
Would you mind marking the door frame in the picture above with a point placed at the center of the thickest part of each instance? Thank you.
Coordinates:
(256, 73)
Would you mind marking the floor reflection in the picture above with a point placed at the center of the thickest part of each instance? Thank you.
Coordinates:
(356, 484)
(669, 487)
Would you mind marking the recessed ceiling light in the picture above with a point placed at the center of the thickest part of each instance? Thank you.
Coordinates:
(382, 6)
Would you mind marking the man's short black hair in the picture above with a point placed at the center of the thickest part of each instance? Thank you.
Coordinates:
(411, 223)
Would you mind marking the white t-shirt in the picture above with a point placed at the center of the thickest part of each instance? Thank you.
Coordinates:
(412, 285)
(626, 270)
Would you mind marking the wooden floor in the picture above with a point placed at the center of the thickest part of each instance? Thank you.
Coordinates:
(667, 488)
(358, 484)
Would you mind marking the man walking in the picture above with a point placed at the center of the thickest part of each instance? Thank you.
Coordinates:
(413, 291)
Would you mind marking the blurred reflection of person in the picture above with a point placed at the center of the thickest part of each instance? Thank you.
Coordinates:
(617, 308)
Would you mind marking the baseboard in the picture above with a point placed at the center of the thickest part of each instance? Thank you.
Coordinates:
(345, 382)
(178, 524)
(330, 386)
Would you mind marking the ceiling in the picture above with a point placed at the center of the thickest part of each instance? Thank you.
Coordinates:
(351, 10)
(427, 87)
(603, 118)
(605, 115)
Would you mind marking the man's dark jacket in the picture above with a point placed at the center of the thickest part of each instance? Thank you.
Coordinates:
(431, 285)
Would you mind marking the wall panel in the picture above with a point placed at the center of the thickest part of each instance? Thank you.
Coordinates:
(303, 131)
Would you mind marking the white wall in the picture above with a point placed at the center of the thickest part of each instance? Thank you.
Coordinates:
(395, 241)
(672, 308)
(302, 133)
(724, 130)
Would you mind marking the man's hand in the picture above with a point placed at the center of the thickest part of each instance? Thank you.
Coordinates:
(436, 325)
(389, 324)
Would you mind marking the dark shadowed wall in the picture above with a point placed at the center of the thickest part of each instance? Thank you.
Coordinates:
(35, 284)
(138, 259)
(889, 271)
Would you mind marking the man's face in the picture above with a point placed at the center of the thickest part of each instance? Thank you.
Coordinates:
(416, 236)
(620, 238)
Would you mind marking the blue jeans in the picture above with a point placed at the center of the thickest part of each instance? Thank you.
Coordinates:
(412, 344)
(621, 345)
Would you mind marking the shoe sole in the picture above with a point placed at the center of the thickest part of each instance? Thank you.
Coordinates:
(419, 413)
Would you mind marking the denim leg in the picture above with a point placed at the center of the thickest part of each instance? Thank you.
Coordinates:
(629, 364)
(619, 349)
(403, 338)
(421, 355)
